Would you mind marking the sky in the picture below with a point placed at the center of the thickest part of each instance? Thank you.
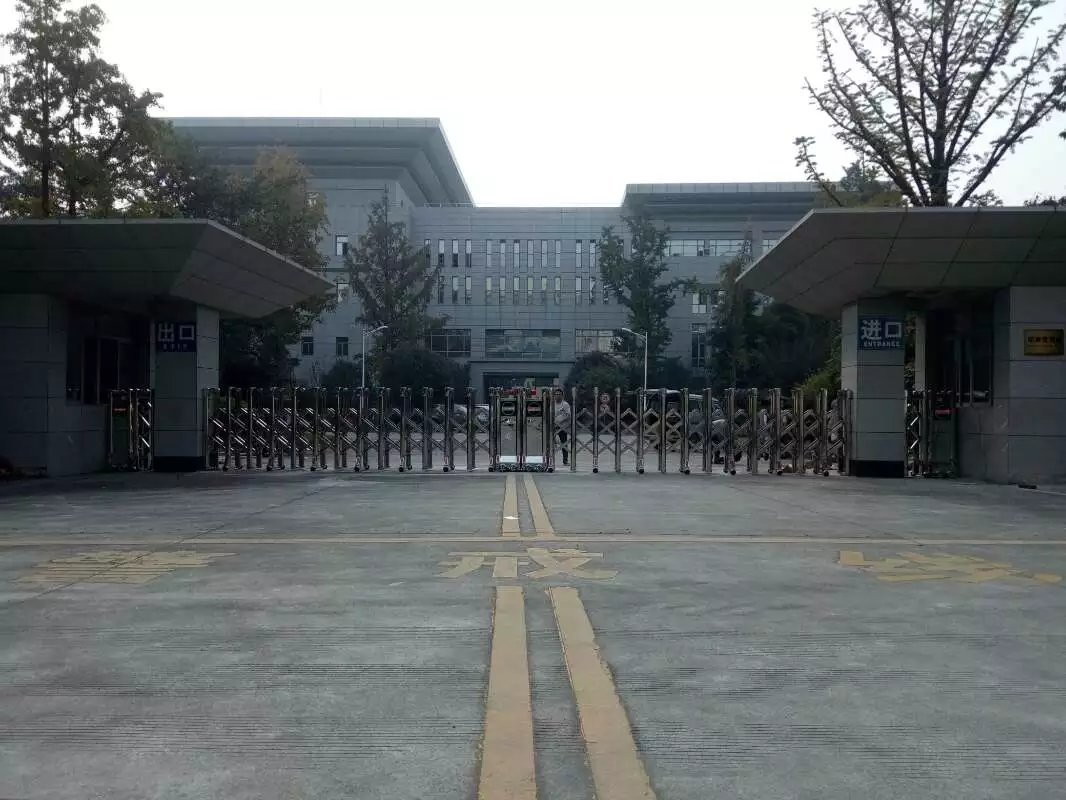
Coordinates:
(543, 103)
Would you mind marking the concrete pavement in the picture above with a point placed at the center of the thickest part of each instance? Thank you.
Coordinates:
(339, 635)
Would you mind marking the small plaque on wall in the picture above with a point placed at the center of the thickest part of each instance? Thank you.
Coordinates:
(1044, 342)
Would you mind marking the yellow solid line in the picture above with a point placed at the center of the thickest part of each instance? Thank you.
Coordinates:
(509, 518)
(507, 769)
(193, 540)
(617, 769)
(541, 522)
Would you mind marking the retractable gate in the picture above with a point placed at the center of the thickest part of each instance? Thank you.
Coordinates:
(130, 429)
(523, 429)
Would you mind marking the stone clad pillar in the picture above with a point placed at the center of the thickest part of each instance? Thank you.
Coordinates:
(871, 366)
(185, 361)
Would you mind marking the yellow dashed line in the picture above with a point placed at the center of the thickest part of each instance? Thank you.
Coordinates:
(617, 769)
(507, 770)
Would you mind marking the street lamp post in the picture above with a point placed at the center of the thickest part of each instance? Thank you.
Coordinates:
(362, 368)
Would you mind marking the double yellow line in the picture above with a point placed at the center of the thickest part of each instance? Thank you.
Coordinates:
(510, 527)
(508, 768)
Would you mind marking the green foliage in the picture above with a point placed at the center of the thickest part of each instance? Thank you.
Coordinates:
(637, 281)
(733, 336)
(342, 375)
(392, 279)
(670, 373)
(935, 95)
(271, 205)
(602, 370)
(414, 366)
(828, 375)
(75, 138)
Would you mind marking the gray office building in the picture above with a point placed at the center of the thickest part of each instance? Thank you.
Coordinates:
(520, 287)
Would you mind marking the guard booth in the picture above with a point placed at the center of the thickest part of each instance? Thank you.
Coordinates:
(109, 334)
(953, 323)
(523, 431)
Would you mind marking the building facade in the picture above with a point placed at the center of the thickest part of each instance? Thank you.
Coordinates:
(519, 287)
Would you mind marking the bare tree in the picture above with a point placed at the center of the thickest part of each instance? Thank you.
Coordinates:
(936, 93)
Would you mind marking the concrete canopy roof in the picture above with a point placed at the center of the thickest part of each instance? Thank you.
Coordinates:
(833, 257)
(132, 263)
(413, 150)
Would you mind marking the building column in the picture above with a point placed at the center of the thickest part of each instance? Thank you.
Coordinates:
(871, 367)
(185, 362)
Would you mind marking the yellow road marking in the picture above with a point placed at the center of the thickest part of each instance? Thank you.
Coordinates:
(121, 566)
(509, 518)
(77, 540)
(507, 770)
(617, 769)
(541, 523)
(908, 567)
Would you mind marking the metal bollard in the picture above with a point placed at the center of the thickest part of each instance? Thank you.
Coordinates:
(595, 429)
(662, 431)
(427, 428)
(799, 428)
(775, 431)
(383, 420)
(708, 430)
(617, 429)
(449, 441)
(642, 403)
(405, 408)
(753, 431)
(494, 429)
(471, 429)
(729, 458)
(683, 454)
(823, 432)
(573, 430)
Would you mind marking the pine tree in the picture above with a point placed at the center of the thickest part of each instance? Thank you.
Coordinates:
(392, 279)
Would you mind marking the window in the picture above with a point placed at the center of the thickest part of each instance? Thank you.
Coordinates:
(488, 253)
(606, 294)
(468, 291)
(469, 260)
(307, 345)
(440, 253)
(340, 244)
(455, 254)
(503, 253)
(488, 291)
(342, 347)
(440, 290)
(558, 253)
(515, 284)
(577, 290)
(450, 342)
(699, 345)
(342, 291)
(593, 255)
(503, 290)
(558, 290)
(544, 291)
(529, 291)
(516, 252)
(427, 248)
(593, 340)
(455, 291)
(530, 244)
(592, 291)
(768, 244)
(699, 302)
(577, 254)
(521, 344)
(544, 253)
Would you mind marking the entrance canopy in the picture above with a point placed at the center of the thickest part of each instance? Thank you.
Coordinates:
(131, 263)
(833, 257)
